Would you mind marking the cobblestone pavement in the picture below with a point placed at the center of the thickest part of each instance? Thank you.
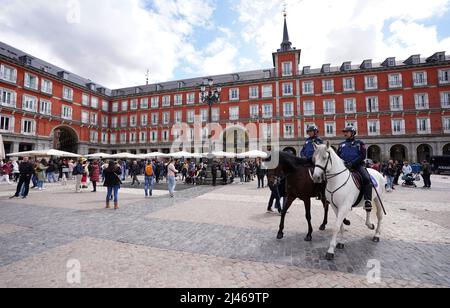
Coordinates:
(215, 237)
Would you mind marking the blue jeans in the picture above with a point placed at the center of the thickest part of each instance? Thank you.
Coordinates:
(172, 184)
(40, 184)
(148, 185)
(51, 177)
(111, 190)
(390, 182)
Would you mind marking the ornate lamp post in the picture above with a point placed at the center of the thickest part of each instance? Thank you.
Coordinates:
(210, 96)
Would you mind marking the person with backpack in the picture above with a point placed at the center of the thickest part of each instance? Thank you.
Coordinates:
(149, 178)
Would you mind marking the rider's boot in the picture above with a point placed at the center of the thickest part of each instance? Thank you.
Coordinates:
(368, 198)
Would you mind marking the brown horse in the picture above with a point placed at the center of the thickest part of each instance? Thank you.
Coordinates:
(299, 185)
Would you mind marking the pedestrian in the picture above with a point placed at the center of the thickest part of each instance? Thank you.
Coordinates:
(112, 182)
(390, 173)
(78, 173)
(84, 178)
(278, 192)
(71, 167)
(214, 170)
(171, 177)
(94, 175)
(149, 178)
(16, 172)
(5, 171)
(40, 173)
(134, 172)
(426, 174)
(398, 172)
(260, 173)
(51, 168)
(26, 170)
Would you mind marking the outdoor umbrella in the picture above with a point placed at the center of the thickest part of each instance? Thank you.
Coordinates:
(45, 153)
(124, 156)
(2, 148)
(184, 155)
(152, 155)
(253, 154)
(98, 155)
(220, 154)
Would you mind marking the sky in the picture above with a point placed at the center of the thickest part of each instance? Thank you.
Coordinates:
(115, 42)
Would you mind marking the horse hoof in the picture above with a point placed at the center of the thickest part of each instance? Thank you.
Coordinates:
(280, 236)
(323, 228)
(330, 256)
(340, 246)
(308, 238)
(347, 222)
(372, 227)
(376, 239)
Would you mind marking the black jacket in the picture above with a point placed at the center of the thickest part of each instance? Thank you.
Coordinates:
(112, 177)
(26, 169)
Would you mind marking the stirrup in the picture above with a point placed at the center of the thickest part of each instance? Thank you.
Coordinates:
(368, 206)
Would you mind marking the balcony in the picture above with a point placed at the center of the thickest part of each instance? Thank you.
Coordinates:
(420, 83)
(444, 80)
(395, 85)
(371, 87)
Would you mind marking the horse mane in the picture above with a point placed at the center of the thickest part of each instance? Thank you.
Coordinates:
(290, 161)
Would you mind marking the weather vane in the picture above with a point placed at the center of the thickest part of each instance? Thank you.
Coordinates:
(285, 9)
(147, 75)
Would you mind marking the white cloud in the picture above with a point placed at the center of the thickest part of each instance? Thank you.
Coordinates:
(335, 31)
(115, 41)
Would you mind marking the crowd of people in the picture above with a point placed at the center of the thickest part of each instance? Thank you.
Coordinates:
(112, 174)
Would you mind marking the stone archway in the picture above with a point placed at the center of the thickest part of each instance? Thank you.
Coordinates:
(399, 152)
(374, 153)
(424, 152)
(290, 150)
(446, 150)
(65, 139)
(236, 140)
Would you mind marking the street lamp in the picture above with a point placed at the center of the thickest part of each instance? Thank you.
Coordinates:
(210, 96)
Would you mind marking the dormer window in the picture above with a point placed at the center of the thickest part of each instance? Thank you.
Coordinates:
(326, 68)
(64, 75)
(346, 66)
(306, 70)
(236, 77)
(389, 62)
(367, 64)
(413, 60)
(267, 74)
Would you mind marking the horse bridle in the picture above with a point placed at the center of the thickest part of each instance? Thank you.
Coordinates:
(328, 177)
(329, 161)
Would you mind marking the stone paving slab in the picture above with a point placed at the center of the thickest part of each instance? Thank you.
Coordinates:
(111, 264)
(201, 223)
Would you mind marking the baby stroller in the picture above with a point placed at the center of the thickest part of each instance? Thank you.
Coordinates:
(409, 180)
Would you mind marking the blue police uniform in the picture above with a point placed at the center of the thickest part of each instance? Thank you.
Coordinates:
(353, 153)
(308, 149)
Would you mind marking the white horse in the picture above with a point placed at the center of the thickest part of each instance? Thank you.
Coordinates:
(343, 193)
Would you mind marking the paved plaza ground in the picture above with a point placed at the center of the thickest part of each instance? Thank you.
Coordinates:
(215, 237)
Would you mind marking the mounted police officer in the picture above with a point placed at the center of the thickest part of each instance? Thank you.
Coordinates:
(313, 139)
(308, 154)
(354, 153)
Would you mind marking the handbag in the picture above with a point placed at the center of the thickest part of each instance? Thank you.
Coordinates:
(417, 178)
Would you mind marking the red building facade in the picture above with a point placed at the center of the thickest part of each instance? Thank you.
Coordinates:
(400, 108)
